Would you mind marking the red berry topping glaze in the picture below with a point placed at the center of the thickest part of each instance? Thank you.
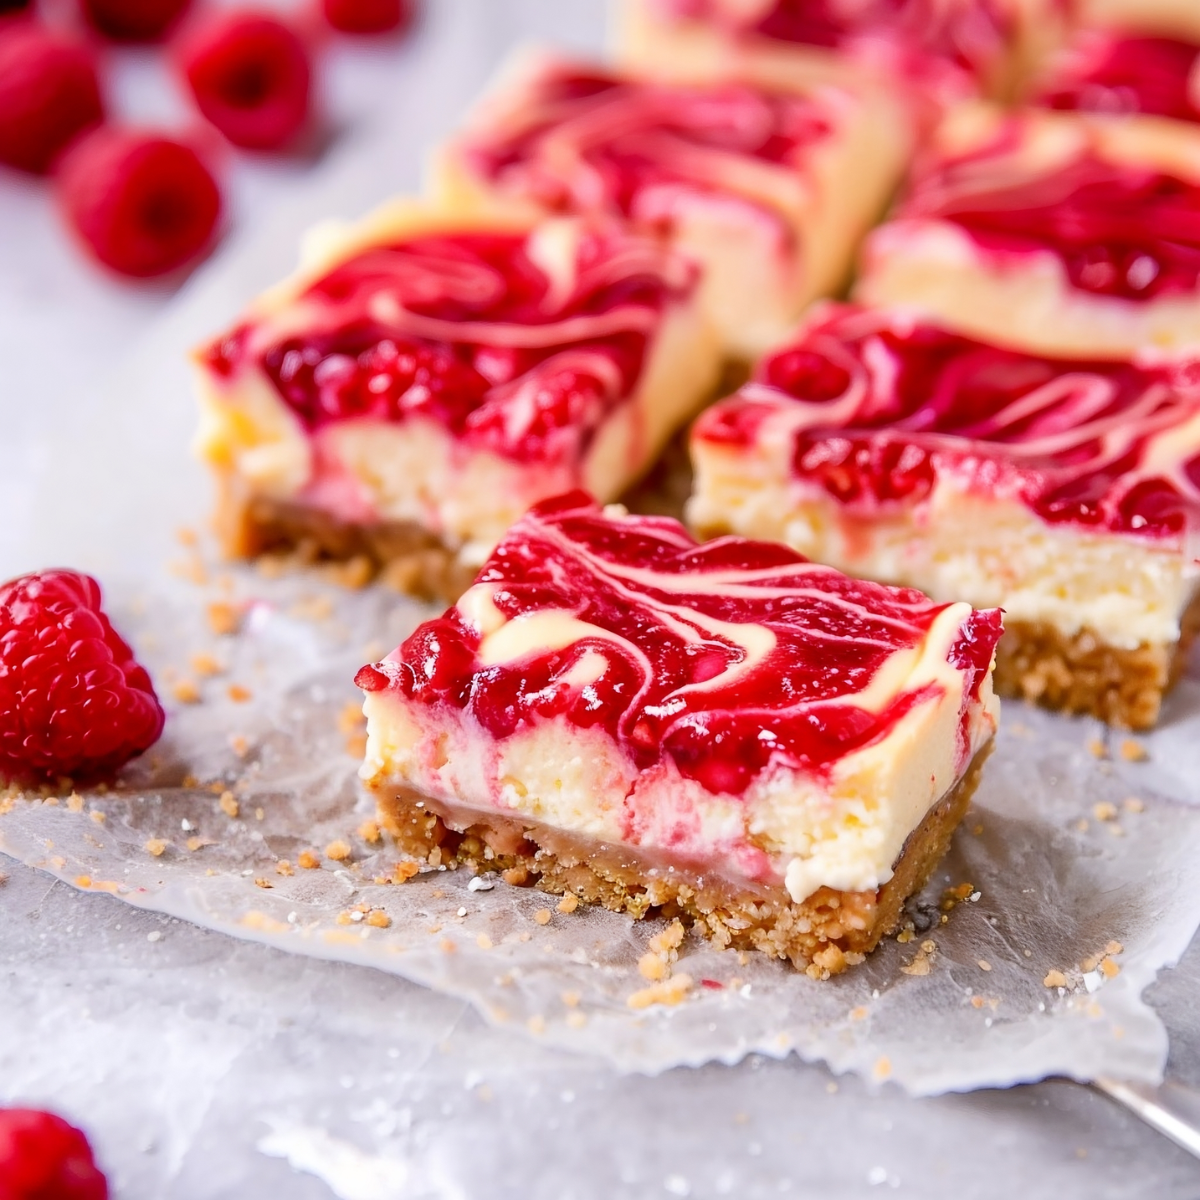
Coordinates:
(48, 94)
(368, 16)
(44, 1158)
(250, 77)
(144, 204)
(133, 20)
(73, 699)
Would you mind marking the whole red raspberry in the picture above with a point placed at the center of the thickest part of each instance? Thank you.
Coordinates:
(48, 93)
(133, 20)
(143, 204)
(368, 16)
(73, 699)
(250, 76)
(44, 1158)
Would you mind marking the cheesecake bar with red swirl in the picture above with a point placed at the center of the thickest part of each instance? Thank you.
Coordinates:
(727, 732)
(1066, 491)
(424, 378)
(1050, 232)
(935, 51)
(770, 190)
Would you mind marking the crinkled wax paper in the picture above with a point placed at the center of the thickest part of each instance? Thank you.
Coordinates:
(1066, 852)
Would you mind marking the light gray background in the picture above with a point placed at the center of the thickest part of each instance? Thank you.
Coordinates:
(184, 1052)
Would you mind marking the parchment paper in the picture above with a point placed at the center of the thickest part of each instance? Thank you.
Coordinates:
(1053, 885)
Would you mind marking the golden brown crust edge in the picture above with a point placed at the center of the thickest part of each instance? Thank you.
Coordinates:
(1084, 675)
(823, 935)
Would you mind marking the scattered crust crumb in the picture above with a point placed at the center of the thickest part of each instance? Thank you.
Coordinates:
(652, 967)
(905, 935)
(568, 904)
(338, 850)
(75, 802)
(516, 876)
(186, 691)
(576, 1020)
(308, 860)
(952, 897)
(922, 961)
(669, 940)
(483, 942)
(283, 867)
(1096, 748)
(1081, 825)
(882, 1068)
(263, 883)
(536, 1023)
(1132, 751)
(312, 608)
(239, 743)
(668, 992)
(379, 919)
(83, 881)
(542, 916)
(198, 843)
(206, 665)
(156, 846)
(402, 872)
(228, 804)
(238, 694)
(223, 617)
(447, 946)
(98, 816)
(570, 999)
(1054, 979)
(186, 536)
(860, 1013)
(1114, 947)
(1104, 810)
(369, 832)
(984, 965)
(1132, 804)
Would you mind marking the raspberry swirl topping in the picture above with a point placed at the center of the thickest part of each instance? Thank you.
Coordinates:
(1107, 73)
(727, 658)
(520, 343)
(578, 139)
(878, 406)
(971, 34)
(1119, 230)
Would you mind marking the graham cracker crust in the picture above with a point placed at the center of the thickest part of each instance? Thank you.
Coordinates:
(821, 936)
(1084, 675)
(401, 553)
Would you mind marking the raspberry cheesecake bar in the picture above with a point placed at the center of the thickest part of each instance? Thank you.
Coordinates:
(723, 731)
(1050, 232)
(1066, 491)
(942, 50)
(425, 378)
(771, 190)
(1117, 74)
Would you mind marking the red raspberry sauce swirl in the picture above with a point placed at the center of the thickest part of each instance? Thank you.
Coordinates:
(1106, 73)
(1119, 230)
(676, 623)
(469, 331)
(584, 140)
(969, 33)
(881, 406)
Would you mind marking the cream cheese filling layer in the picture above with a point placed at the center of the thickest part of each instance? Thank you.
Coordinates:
(991, 551)
(844, 832)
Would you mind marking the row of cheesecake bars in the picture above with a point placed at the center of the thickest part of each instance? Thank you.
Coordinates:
(1005, 416)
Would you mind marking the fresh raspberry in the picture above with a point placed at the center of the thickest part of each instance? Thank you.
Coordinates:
(133, 20)
(144, 204)
(44, 1158)
(48, 93)
(368, 16)
(73, 699)
(250, 76)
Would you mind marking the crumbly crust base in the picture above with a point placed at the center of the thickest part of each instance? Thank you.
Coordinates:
(1082, 674)
(403, 554)
(822, 936)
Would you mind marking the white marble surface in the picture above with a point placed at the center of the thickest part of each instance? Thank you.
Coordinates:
(211, 1068)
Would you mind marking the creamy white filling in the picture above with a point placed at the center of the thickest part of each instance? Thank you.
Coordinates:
(845, 833)
(991, 551)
